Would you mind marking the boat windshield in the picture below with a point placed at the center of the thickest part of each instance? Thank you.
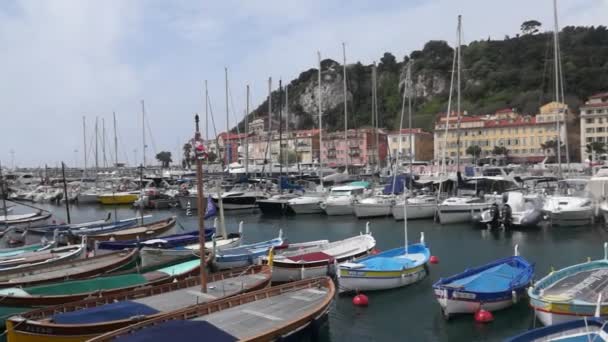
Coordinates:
(340, 192)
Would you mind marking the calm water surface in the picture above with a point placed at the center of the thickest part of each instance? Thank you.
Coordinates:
(410, 313)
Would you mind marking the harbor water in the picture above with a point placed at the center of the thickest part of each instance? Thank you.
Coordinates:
(410, 313)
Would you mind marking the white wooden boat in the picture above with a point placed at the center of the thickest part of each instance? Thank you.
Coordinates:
(36, 219)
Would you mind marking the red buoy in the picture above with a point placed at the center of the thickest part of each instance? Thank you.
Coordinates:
(483, 316)
(360, 300)
(434, 259)
(375, 251)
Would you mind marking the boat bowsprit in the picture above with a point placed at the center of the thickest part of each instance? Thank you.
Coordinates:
(490, 287)
(572, 292)
(387, 270)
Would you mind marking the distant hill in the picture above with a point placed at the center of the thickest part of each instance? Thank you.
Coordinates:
(515, 72)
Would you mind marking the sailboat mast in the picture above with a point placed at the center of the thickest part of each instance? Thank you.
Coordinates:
(458, 93)
(103, 142)
(320, 122)
(206, 112)
(227, 117)
(84, 139)
(143, 130)
(409, 89)
(346, 160)
(4, 194)
(269, 141)
(96, 146)
(247, 132)
(65, 194)
(558, 140)
(375, 113)
(280, 131)
(115, 141)
(198, 149)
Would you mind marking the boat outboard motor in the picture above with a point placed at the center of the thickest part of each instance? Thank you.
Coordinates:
(507, 216)
(494, 216)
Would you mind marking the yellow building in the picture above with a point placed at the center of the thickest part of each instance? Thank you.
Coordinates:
(521, 135)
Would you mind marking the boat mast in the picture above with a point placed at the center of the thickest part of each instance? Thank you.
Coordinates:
(269, 141)
(96, 147)
(115, 141)
(247, 132)
(65, 194)
(280, 134)
(458, 93)
(143, 130)
(375, 113)
(409, 88)
(84, 139)
(346, 160)
(4, 194)
(320, 123)
(557, 98)
(227, 118)
(103, 142)
(201, 204)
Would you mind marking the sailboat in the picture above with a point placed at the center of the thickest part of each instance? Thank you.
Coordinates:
(390, 269)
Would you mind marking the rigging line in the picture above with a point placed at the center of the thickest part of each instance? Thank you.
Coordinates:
(150, 134)
(545, 64)
(124, 151)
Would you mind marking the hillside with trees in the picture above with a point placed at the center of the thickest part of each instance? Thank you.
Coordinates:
(514, 72)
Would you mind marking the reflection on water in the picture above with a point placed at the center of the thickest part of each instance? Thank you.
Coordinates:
(410, 313)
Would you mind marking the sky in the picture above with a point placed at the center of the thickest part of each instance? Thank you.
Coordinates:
(63, 60)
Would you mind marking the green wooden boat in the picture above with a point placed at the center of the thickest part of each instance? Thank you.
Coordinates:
(19, 300)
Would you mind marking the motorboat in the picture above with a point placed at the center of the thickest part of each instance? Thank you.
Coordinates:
(276, 204)
(572, 205)
(418, 207)
(374, 206)
(518, 211)
(340, 199)
(307, 204)
(461, 209)
(240, 198)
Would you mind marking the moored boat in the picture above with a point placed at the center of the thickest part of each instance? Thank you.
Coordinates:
(461, 209)
(419, 207)
(85, 319)
(390, 269)
(142, 232)
(318, 260)
(31, 260)
(244, 255)
(112, 198)
(340, 200)
(491, 287)
(264, 315)
(168, 241)
(583, 330)
(571, 292)
(306, 204)
(25, 220)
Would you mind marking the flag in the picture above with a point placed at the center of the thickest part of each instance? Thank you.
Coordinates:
(211, 210)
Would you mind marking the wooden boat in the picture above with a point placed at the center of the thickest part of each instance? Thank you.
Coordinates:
(571, 293)
(264, 315)
(31, 260)
(298, 263)
(85, 319)
(40, 246)
(583, 330)
(154, 256)
(245, 255)
(168, 241)
(387, 270)
(66, 226)
(18, 300)
(73, 235)
(142, 232)
(490, 287)
(25, 220)
(117, 198)
(69, 269)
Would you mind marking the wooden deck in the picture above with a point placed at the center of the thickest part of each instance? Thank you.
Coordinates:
(180, 299)
(254, 318)
(583, 286)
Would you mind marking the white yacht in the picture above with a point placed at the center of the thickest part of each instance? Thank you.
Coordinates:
(461, 209)
(418, 207)
(340, 200)
(571, 206)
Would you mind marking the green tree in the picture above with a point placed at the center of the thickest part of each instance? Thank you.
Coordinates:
(595, 147)
(500, 151)
(211, 157)
(474, 151)
(530, 27)
(165, 158)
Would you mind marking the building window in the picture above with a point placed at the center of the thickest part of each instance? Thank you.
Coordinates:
(600, 120)
(589, 121)
(590, 130)
(600, 139)
(600, 130)
(589, 140)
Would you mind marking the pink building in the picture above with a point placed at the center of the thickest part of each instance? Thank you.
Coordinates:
(359, 149)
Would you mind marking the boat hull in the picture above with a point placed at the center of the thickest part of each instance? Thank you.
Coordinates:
(337, 209)
(454, 306)
(353, 280)
(118, 199)
(151, 257)
(306, 208)
(425, 211)
(274, 208)
(460, 213)
(363, 210)
(571, 217)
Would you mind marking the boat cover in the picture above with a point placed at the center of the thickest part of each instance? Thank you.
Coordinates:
(182, 330)
(495, 279)
(105, 313)
(87, 285)
(311, 257)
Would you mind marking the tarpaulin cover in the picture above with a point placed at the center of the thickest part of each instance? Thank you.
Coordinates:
(181, 330)
(105, 313)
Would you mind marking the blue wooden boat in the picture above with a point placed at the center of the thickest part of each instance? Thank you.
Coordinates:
(49, 228)
(245, 255)
(491, 287)
(581, 330)
(390, 269)
(169, 241)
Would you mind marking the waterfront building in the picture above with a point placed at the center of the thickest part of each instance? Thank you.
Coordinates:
(360, 148)
(399, 144)
(594, 123)
(524, 136)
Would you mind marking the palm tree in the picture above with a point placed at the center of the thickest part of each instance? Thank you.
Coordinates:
(165, 158)
(187, 148)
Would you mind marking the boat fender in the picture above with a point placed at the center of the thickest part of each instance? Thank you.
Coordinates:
(514, 297)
